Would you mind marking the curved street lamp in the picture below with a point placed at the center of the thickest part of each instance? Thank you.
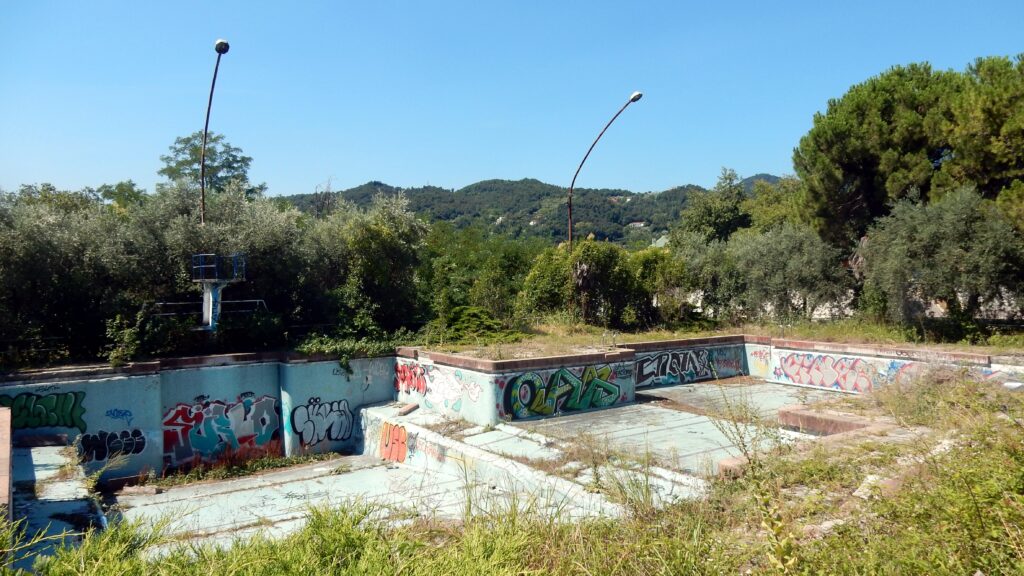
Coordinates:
(222, 47)
(632, 98)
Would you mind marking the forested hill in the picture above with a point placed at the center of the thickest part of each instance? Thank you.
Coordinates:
(530, 207)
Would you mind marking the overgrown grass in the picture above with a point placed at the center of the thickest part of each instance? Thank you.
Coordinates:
(957, 510)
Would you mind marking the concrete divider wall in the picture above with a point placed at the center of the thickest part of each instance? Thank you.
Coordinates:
(182, 417)
(859, 369)
(486, 392)
(693, 360)
(107, 415)
(454, 391)
(320, 401)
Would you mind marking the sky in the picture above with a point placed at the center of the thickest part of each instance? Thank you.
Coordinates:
(450, 93)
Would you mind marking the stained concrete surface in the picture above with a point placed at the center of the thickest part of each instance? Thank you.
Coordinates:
(686, 442)
(735, 395)
(51, 499)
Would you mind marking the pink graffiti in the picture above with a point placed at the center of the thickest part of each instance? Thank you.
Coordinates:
(850, 374)
(762, 356)
(410, 378)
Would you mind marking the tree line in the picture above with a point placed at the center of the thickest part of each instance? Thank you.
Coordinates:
(908, 195)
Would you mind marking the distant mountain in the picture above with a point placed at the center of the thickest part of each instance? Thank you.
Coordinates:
(748, 183)
(530, 207)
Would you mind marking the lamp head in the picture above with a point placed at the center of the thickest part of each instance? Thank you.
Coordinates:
(221, 46)
(636, 96)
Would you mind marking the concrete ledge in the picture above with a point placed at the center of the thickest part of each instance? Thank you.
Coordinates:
(99, 371)
(920, 355)
(751, 339)
(519, 365)
(685, 343)
(821, 422)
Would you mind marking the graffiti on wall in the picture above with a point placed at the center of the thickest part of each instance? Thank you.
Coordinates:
(840, 372)
(678, 366)
(209, 429)
(438, 386)
(417, 445)
(531, 394)
(317, 421)
(761, 359)
(393, 442)
(58, 410)
(104, 445)
(410, 378)
(120, 414)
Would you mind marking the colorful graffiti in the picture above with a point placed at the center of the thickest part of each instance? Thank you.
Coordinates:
(674, 367)
(393, 442)
(207, 430)
(839, 372)
(317, 421)
(530, 394)
(104, 445)
(448, 388)
(410, 378)
(439, 386)
(61, 410)
(762, 360)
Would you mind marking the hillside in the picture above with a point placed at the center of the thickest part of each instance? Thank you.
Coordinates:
(530, 207)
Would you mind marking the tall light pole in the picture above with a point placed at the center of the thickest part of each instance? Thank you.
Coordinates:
(632, 98)
(222, 47)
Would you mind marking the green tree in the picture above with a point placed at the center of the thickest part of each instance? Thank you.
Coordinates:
(710, 274)
(548, 285)
(959, 250)
(772, 205)
(884, 140)
(987, 131)
(224, 163)
(122, 195)
(788, 271)
(715, 214)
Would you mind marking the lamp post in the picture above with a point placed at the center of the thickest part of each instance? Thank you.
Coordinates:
(222, 47)
(632, 98)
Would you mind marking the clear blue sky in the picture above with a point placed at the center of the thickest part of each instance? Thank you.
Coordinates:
(449, 93)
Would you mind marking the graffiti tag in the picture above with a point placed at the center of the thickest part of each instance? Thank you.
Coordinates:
(194, 433)
(103, 445)
(317, 421)
(119, 414)
(393, 442)
(530, 395)
(842, 373)
(62, 410)
(674, 367)
(410, 378)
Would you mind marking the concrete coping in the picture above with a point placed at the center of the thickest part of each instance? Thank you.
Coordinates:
(623, 353)
(921, 355)
(686, 343)
(156, 366)
(520, 364)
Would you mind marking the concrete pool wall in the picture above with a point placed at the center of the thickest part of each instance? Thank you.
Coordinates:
(182, 412)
